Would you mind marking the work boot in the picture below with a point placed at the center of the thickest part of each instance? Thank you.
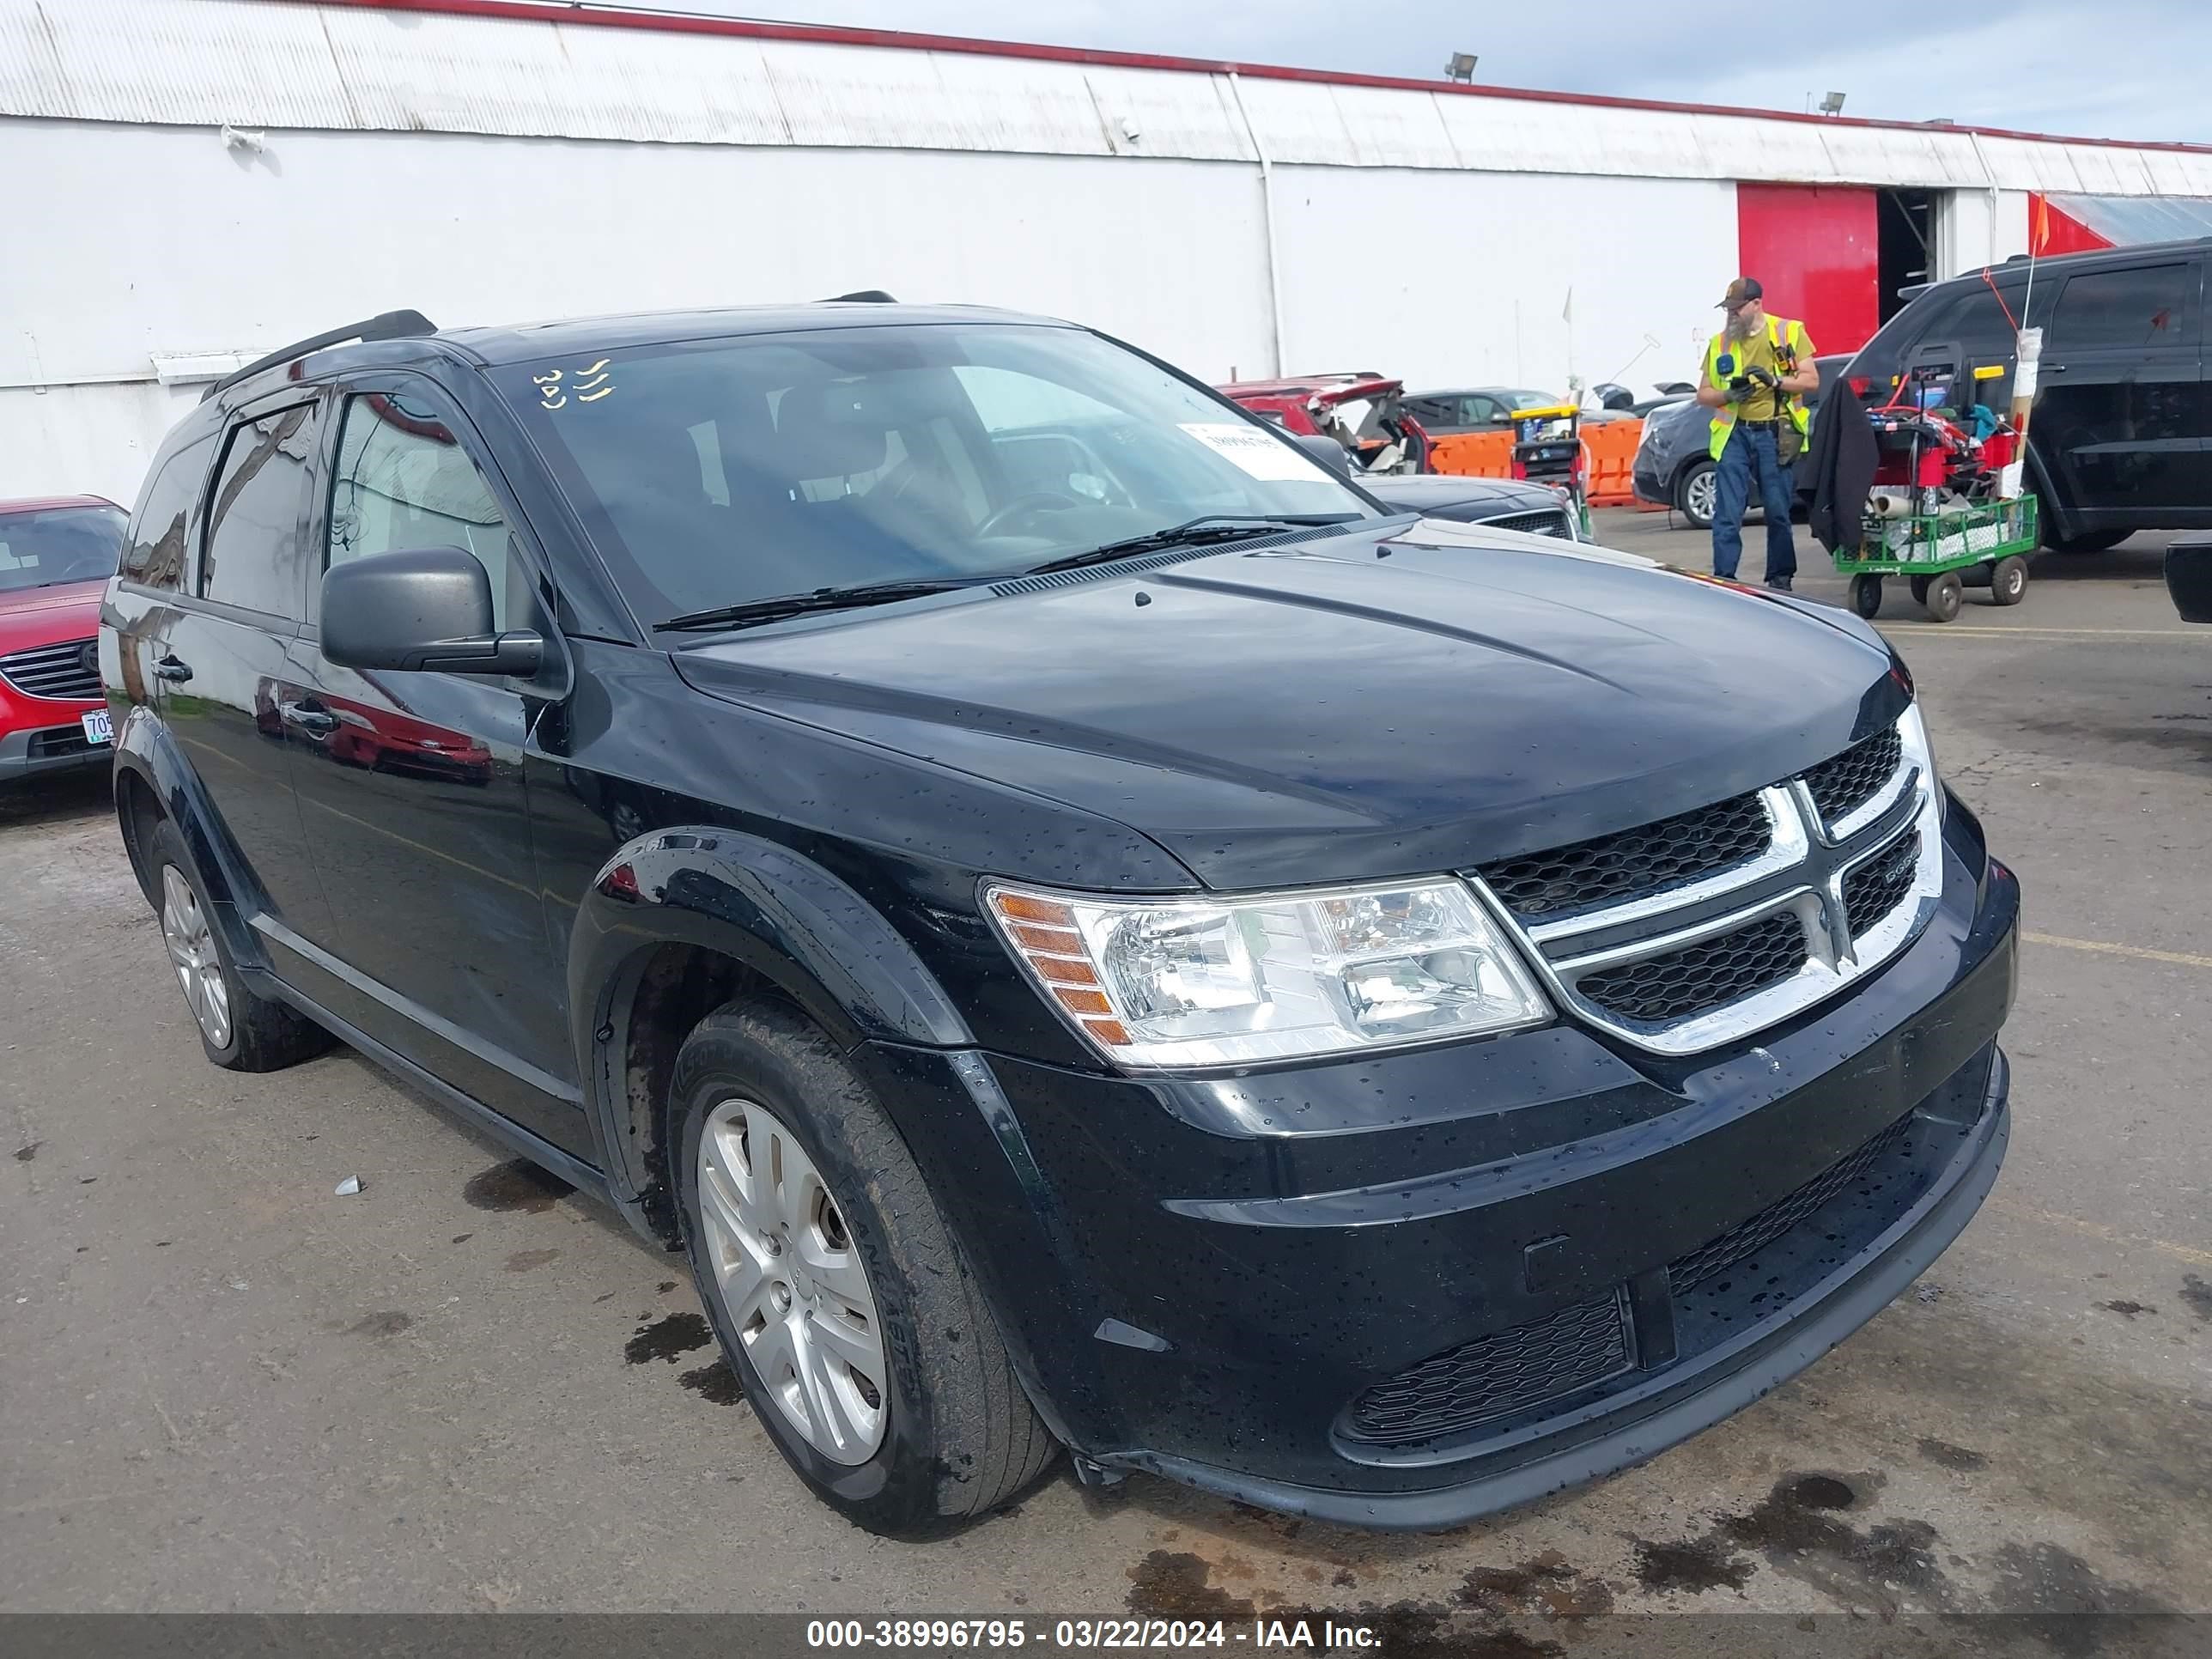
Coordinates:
(1779, 584)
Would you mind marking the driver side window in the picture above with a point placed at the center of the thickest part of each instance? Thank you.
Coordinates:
(404, 481)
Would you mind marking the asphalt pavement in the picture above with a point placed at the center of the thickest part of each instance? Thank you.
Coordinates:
(222, 1386)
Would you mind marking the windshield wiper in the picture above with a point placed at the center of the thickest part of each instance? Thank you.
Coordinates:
(777, 606)
(1192, 532)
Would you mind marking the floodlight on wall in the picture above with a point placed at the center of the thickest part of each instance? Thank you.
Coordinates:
(1460, 66)
(1833, 104)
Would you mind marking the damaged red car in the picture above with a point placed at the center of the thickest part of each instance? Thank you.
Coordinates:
(1362, 411)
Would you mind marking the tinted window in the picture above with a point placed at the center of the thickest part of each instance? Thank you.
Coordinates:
(1970, 318)
(403, 483)
(718, 471)
(252, 554)
(58, 545)
(2145, 307)
(157, 550)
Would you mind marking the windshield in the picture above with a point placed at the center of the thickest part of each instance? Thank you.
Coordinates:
(54, 544)
(718, 471)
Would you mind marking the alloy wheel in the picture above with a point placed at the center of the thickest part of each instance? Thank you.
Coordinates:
(191, 945)
(792, 1282)
(1701, 496)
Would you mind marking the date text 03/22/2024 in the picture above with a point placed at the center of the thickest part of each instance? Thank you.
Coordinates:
(946, 1635)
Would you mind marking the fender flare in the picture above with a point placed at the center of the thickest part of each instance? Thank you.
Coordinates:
(773, 911)
(146, 750)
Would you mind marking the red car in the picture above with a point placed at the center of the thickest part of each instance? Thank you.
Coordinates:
(56, 555)
(1360, 410)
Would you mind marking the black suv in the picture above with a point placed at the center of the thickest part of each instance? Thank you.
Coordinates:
(1086, 930)
(2121, 436)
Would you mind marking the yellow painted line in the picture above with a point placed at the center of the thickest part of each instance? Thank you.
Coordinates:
(2074, 1224)
(2181, 958)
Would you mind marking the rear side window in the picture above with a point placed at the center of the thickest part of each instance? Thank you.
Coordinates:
(2142, 308)
(403, 483)
(154, 554)
(253, 557)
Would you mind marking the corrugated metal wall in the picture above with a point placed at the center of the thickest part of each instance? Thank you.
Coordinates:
(487, 170)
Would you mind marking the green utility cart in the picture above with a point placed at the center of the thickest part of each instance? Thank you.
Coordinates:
(1978, 544)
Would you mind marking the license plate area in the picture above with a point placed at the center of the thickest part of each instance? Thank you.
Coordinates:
(98, 726)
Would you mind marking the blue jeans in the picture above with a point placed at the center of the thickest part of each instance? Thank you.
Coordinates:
(1750, 457)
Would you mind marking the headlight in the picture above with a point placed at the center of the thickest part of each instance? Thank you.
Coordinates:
(1225, 981)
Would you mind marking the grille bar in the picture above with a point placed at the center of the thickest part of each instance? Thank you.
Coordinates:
(52, 670)
(1700, 929)
(1710, 974)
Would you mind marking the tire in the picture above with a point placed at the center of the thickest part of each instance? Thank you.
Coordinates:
(1866, 595)
(1919, 586)
(250, 1033)
(1695, 496)
(956, 1436)
(2009, 579)
(2090, 541)
(1945, 595)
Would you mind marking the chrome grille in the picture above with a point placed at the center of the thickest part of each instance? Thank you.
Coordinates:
(1710, 974)
(1873, 889)
(1695, 931)
(1842, 785)
(53, 671)
(1635, 861)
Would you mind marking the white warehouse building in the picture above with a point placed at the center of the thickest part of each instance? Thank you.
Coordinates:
(188, 183)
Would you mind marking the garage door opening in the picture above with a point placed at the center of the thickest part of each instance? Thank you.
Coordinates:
(1905, 235)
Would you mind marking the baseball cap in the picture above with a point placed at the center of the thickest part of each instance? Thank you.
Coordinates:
(1742, 289)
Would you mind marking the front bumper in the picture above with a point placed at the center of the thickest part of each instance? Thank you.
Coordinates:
(1206, 1278)
(1648, 486)
(52, 748)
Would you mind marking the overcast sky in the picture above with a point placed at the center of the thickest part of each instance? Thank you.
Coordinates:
(2105, 69)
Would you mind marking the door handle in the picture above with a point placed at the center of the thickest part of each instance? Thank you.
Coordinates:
(308, 717)
(172, 668)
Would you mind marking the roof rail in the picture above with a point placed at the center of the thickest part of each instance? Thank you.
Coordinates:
(387, 325)
(872, 296)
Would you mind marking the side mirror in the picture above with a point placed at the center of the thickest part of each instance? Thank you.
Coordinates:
(427, 609)
(1326, 450)
(2189, 579)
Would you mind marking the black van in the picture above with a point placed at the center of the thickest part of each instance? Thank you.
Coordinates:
(2117, 440)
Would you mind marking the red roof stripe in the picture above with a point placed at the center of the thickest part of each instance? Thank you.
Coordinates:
(534, 11)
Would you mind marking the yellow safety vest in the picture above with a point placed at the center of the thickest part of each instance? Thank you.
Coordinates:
(1787, 337)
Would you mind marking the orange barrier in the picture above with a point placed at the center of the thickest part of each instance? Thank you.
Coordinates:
(1608, 446)
(1474, 454)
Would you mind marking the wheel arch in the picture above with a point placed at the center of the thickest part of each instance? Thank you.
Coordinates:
(153, 784)
(680, 922)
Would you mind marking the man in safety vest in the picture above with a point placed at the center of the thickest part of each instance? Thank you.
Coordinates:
(1757, 370)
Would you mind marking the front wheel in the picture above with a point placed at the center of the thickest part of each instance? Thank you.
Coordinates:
(1697, 495)
(2009, 579)
(839, 1295)
(1945, 595)
(1866, 595)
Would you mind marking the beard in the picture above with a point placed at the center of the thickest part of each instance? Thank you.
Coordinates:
(1738, 328)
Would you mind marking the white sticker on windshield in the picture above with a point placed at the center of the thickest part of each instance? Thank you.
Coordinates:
(1256, 453)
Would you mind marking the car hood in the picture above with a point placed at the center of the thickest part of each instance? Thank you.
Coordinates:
(1389, 702)
(43, 616)
(1432, 493)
